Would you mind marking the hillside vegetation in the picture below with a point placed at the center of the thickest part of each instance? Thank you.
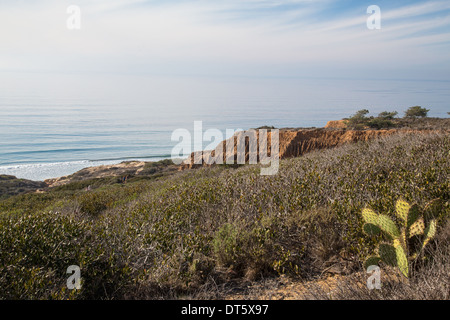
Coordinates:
(10, 186)
(200, 233)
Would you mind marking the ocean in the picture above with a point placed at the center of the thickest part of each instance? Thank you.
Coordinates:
(52, 128)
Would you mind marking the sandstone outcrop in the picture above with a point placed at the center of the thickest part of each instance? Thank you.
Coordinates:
(292, 143)
(336, 124)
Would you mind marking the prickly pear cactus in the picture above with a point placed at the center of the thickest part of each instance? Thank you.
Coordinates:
(397, 252)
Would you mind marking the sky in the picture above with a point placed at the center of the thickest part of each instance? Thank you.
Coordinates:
(246, 38)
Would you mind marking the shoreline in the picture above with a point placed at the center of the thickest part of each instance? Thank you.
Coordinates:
(293, 143)
(54, 170)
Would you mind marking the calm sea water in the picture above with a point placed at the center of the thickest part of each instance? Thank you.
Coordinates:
(57, 128)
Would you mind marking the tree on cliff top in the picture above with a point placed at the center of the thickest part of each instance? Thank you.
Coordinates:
(387, 115)
(416, 112)
(358, 120)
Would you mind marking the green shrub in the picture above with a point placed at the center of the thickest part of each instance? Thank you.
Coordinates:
(250, 250)
(226, 245)
(380, 123)
(93, 203)
(36, 251)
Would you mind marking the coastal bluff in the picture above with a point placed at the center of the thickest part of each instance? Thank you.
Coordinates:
(292, 142)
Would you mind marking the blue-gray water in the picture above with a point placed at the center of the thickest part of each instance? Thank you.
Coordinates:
(56, 128)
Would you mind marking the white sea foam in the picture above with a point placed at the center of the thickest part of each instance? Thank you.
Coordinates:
(42, 171)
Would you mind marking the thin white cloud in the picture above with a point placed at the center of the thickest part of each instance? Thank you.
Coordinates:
(162, 36)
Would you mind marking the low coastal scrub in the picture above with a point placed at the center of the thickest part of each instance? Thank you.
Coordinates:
(11, 186)
(414, 118)
(199, 233)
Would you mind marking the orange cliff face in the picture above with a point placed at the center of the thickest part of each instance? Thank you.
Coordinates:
(336, 124)
(292, 143)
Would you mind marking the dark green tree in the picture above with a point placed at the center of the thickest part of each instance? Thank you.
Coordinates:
(387, 115)
(416, 112)
(358, 120)
(361, 114)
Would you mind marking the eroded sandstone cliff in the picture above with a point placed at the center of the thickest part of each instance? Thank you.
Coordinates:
(292, 143)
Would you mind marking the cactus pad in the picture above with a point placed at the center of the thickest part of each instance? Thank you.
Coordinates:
(388, 254)
(430, 232)
(371, 229)
(401, 209)
(370, 216)
(413, 215)
(371, 261)
(402, 260)
(387, 225)
(417, 228)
